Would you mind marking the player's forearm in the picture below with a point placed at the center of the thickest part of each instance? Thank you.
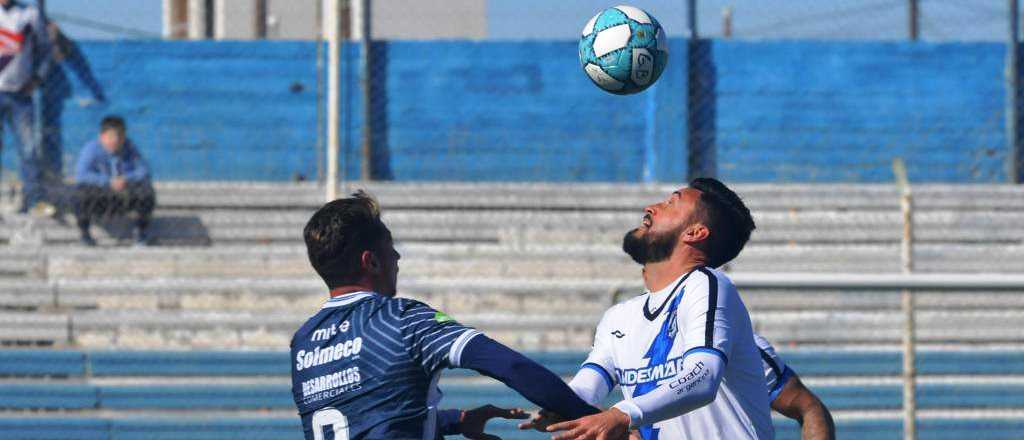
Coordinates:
(817, 424)
(528, 378)
(694, 389)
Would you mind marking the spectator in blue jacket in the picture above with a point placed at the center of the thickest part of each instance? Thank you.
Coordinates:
(112, 179)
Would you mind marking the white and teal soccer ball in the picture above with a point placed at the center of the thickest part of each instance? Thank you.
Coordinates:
(623, 50)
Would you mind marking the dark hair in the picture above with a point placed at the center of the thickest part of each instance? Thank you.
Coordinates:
(729, 220)
(338, 234)
(112, 122)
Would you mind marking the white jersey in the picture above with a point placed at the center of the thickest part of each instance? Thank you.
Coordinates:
(776, 372)
(640, 345)
(24, 45)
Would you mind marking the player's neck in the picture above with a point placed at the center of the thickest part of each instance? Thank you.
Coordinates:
(350, 288)
(659, 275)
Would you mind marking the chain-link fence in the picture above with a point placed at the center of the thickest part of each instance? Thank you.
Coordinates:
(508, 180)
(794, 92)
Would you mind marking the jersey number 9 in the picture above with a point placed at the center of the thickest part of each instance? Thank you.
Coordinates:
(334, 419)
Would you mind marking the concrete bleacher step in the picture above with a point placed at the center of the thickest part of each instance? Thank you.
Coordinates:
(33, 328)
(237, 329)
(159, 366)
(585, 195)
(467, 294)
(440, 260)
(935, 326)
(601, 196)
(229, 330)
(204, 227)
(80, 396)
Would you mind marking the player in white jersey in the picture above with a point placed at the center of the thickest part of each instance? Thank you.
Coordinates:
(684, 353)
(789, 397)
(786, 391)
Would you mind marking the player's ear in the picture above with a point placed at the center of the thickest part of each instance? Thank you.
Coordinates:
(369, 262)
(695, 233)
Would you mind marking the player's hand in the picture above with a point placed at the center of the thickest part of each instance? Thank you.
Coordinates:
(118, 184)
(610, 424)
(30, 86)
(473, 422)
(541, 420)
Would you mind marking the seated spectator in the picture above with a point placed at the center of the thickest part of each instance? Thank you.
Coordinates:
(113, 179)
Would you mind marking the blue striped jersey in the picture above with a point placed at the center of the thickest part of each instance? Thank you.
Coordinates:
(366, 367)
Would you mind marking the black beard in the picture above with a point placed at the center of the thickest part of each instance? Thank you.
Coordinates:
(649, 248)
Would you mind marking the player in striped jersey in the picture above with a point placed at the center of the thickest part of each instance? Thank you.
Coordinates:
(684, 353)
(366, 365)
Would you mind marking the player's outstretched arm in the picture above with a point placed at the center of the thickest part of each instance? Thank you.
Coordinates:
(591, 384)
(695, 388)
(472, 423)
(799, 403)
(526, 377)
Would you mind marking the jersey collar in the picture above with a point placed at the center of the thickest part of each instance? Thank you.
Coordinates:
(346, 299)
(671, 292)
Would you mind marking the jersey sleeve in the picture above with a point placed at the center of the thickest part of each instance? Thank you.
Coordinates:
(776, 372)
(434, 339)
(600, 359)
(705, 316)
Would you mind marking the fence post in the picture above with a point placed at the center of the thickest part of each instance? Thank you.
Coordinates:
(367, 70)
(333, 29)
(913, 20)
(700, 103)
(907, 303)
(1015, 156)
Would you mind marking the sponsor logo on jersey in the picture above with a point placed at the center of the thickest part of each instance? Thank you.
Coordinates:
(688, 379)
(442, 318)
(320, 356)
(325, 334)
(330, 385)
(653, 373)
(618, 334)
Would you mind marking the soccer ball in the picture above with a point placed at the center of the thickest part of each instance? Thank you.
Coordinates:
(623, 50)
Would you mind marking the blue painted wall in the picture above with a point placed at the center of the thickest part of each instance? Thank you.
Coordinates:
(827, 111)
(524, 111)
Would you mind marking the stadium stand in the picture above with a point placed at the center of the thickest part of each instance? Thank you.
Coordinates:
(186, 339)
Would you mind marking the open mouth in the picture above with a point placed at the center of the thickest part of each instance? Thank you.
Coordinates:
(646, 221)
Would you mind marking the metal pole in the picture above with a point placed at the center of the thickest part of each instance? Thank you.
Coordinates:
(367, 83)
(913, 19)
(333, 95)
(696, 144)
(320, 146)
(1015, 158)
(727, 22)
(260, 18)
(907, 304)
(691, 18)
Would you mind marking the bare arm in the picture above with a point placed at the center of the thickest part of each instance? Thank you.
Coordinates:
(800, 404)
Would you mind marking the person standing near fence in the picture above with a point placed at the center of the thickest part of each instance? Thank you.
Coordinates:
(56, 89)
(113, 178)
(24, 62)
